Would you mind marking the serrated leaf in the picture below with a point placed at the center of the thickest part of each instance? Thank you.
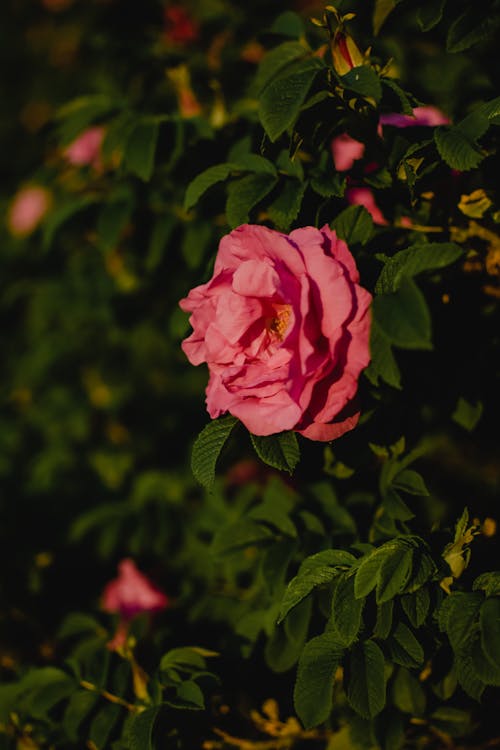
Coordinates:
(395, 571)
(416, 606)
(406, 106)
(203, 181)
(404, 316)
(241, 534)
(275, 60)
(461, 610)
(327, 557)
(407, 693)
(346, 609)
(364, 81)
(244, 194)
(415, 260)
(466, 414)
(366, 685)
(139, 733)
(302, 585)
(140, 149)
(395, 506)
(284, 646)
(410, 481)
(275, 516)
(315, 675)
(354, 224)
(467, 677)
(430, 13)
(254, 163)
(404, 648)
(207, 448)
(329, 185)
(383, 623)
(281, 451)
(457, 149)
(368, 572)
(489, 583)
(382, 364)
(489, 621)
(282, 99)
(470, 28)
(285, 208)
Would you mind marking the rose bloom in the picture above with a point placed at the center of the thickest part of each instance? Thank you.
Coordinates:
(27, 209)
(86, 149)
(284, 328)
(362, 196)
(132, 593)
(428, 116)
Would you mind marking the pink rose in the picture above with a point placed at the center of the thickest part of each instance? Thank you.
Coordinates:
(345, 151)
(284, 327)
(132, 593)
(27, 209)
(362, 196)
(86, 149)
(422, 116)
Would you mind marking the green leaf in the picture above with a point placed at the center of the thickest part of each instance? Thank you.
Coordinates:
(460, 611)
(406, 106)
(383, 623)
(275, 60)
(354, 224)
(457, 149)
(285, 208)
(489, 621)
(284, 646)
(196, 240)
(364, 81)
(430, 13)
(186, 658)
(113, 219)
(254, 163)
(395, 506)
(368, 572)
(395, 570)
(189, 695)
(416, 606)
(139, 733)
(466, 414)
(382, 9)
(41, 689)
(79, 705)
(410, 481)
(140, 150)
(302, 585)
(366, 684)
(288, 24)
(346, 609)
(404, 316)
(207, 448)
(282, 99)
(64, 211)
(467, 677)
(415, 260)
(452, 721)
(471, 27)
(241, 534)
(78, 114)
(489, 583)
(327, 557)
(315, 676)
(203, 181)
(103, 723)
(281, 451)
(408, 694)
(329, 185)
(244, 194)
(404, 648)
(159, 240)
(78, 623)
(278, 517)
(383, 364)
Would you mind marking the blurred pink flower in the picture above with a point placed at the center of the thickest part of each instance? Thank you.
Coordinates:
(345, 151)
(428, 116)
(86, 149)
(362, 196)
(132, 593)
(28, 207)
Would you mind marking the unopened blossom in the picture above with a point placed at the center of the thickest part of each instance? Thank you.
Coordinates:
(86, 149)
(27, 210)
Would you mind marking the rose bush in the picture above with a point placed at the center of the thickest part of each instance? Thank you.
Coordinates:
(284, 328)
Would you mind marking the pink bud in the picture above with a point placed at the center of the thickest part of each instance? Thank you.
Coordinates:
(362, 196)
(345, 151)
(27, 209)
(132, 593)
(86, 149)
(422, 117)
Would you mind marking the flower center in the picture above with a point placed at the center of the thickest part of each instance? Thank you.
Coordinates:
(279, 324)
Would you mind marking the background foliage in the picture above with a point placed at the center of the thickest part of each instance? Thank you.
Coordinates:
(320, 596)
